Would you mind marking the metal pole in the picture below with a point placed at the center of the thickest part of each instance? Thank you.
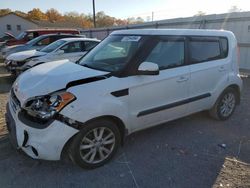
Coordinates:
(94, 13)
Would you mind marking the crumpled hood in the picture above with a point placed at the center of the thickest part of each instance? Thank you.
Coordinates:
(13, 49)
(9, 34)
(49, 77)
(21, 56)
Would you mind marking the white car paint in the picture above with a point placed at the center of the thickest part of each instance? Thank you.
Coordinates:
(95, 99)
(54, 71)
(56, 55)
(34, 57)
(21, 56)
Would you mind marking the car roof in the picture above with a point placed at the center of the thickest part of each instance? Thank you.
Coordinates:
(191, 32)
(79, 39)
(37, 30)
(58, 34)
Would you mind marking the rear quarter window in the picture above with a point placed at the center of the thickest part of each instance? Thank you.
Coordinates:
(224, 46)
(201, 51)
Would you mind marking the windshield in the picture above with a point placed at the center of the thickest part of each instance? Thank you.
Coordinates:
(113, 53)
(53, 46)
(21, 35)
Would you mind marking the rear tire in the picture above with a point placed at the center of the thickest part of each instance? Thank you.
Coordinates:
(225, 105)
(95, 144)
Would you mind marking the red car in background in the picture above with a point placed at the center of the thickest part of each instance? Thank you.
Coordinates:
(7, 36)
(28, 35)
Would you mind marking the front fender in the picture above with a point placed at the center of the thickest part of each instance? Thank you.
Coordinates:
(87, 108)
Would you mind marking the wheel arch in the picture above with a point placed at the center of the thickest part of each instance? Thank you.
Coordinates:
(236, 88)
(120, 125)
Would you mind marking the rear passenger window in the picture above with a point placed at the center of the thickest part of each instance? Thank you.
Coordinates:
(167, 54)
(224, 46)
(201, 51)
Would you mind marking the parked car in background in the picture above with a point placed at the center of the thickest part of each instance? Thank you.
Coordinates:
(7, 36)
(37, 43)
(28, 35)
(67, 48)
(132, 80)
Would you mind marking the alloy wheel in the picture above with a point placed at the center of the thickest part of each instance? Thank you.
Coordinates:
(97, 145)
(228, 103)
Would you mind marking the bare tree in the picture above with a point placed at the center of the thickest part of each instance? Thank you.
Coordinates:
(200, 13)
(234, 9)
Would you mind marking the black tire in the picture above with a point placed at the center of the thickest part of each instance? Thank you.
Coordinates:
(216, 112)
(87, 133)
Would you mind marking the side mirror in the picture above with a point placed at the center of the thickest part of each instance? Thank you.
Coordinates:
(60, 52)
(148, 68)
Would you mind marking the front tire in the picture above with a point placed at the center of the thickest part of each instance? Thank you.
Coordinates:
(95, 144)
(225, 105)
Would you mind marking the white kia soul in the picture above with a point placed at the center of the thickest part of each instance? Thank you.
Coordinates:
(132, 80)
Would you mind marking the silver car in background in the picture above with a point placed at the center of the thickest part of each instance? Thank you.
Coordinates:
(37, 43)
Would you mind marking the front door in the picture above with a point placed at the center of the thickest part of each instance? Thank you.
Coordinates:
(159, 98)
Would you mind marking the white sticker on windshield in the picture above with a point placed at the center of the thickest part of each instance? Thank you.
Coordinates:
(131, 39)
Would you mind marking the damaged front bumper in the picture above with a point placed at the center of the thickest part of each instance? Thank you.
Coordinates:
(14, 67)
(39, 143)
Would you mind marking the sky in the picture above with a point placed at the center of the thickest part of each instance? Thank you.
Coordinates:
(162, 9)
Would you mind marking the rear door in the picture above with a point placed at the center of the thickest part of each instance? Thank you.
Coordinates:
(159, 98)
(209, 69)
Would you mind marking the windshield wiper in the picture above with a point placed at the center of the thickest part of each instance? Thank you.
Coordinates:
(85, 65)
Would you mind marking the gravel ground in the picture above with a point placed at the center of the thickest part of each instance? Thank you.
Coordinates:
(195, 151)
(5, 83)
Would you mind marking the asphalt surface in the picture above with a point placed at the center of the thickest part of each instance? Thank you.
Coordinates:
(195, 151)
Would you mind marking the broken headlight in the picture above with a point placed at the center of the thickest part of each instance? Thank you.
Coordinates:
(45, 107)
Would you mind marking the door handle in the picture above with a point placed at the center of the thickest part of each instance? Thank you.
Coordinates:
(182, 79)
(221, 69)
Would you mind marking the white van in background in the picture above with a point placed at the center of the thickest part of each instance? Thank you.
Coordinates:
(134, 79)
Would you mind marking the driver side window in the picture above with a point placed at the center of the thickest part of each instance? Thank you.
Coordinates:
(167, 54)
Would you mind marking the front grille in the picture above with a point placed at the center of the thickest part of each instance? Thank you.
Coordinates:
(15, 103)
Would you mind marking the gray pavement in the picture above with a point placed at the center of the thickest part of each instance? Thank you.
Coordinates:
(182, 153)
